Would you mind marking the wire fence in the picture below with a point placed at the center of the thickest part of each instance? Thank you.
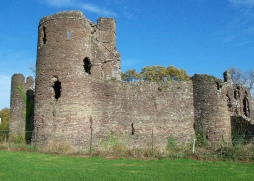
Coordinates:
(240, 148)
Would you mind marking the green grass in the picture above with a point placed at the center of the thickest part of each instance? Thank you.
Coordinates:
(37, 166)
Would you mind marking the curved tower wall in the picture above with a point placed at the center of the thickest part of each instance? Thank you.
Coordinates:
(18, 106)
(72, 52)
(64, 41)
(212, 117)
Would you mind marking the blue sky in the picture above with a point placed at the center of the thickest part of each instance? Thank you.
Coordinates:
(200, 36)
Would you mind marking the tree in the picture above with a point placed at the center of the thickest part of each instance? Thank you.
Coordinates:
(5, 122)
(243, 78)
(156, 74)
(131, 76)
(177, 74)
(5, 117)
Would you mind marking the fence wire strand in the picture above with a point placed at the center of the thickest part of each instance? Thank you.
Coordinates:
(240, 147)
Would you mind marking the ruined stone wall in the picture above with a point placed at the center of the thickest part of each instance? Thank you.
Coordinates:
(242, 129)
(240, 101)
(212, 117)
(18, 105)
(218, 107)
(72, 53)
(241, 108)
(106, 59)
(79, 98)
(143, 113)
(80, 101)
(151, 109)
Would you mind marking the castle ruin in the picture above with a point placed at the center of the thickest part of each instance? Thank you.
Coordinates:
(79, 94)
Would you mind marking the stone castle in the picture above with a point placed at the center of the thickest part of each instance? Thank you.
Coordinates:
(79, 95)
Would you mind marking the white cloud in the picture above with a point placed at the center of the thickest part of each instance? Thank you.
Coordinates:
(242, 26)
(92, 8)
(95, 9)
(5, 88)
(248, 3)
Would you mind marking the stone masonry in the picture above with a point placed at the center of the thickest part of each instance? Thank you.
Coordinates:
(18, 115)
(79, 95)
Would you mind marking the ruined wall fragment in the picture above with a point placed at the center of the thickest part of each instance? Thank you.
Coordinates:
(22, 93)
(212, 118)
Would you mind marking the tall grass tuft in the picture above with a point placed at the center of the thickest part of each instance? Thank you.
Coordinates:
(61, 147)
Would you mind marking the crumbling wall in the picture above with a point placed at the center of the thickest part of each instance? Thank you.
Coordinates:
(79, 98)
(80, 101)
(240, 101)
(242, 129)
(72, 52)
(212, 117)
(22, 93)
(240, 104)
(106, 64)
(145, 114)
(148, 113)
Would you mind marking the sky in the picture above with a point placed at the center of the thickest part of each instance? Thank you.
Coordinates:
(199, 36)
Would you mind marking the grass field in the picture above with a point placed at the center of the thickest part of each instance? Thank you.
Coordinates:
(37, 166)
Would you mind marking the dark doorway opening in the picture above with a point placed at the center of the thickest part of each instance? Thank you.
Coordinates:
(87, 65)
(57, 88)
(29, 126)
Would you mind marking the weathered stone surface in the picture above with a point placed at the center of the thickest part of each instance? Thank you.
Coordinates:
(79, 93)
(18, 105)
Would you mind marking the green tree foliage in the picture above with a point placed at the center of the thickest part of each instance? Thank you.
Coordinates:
(5, 117)
(5, 122)
(22, 92)
(177, 74)
(131, 76)
(156, 74)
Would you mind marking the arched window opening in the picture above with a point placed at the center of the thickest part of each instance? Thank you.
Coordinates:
(87, 65)
(246, 106)
(57, 87)
(237, 93)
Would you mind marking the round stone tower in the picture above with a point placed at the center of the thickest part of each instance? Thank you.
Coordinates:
(211, 114)
(72, 51)
(20, 117)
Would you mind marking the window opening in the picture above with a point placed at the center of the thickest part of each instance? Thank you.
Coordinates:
(69, 34)
(237, 93)
(44, 35)
(218, 86)
(246, 106)
(87, 65)
(57, 87)
(132, 129)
